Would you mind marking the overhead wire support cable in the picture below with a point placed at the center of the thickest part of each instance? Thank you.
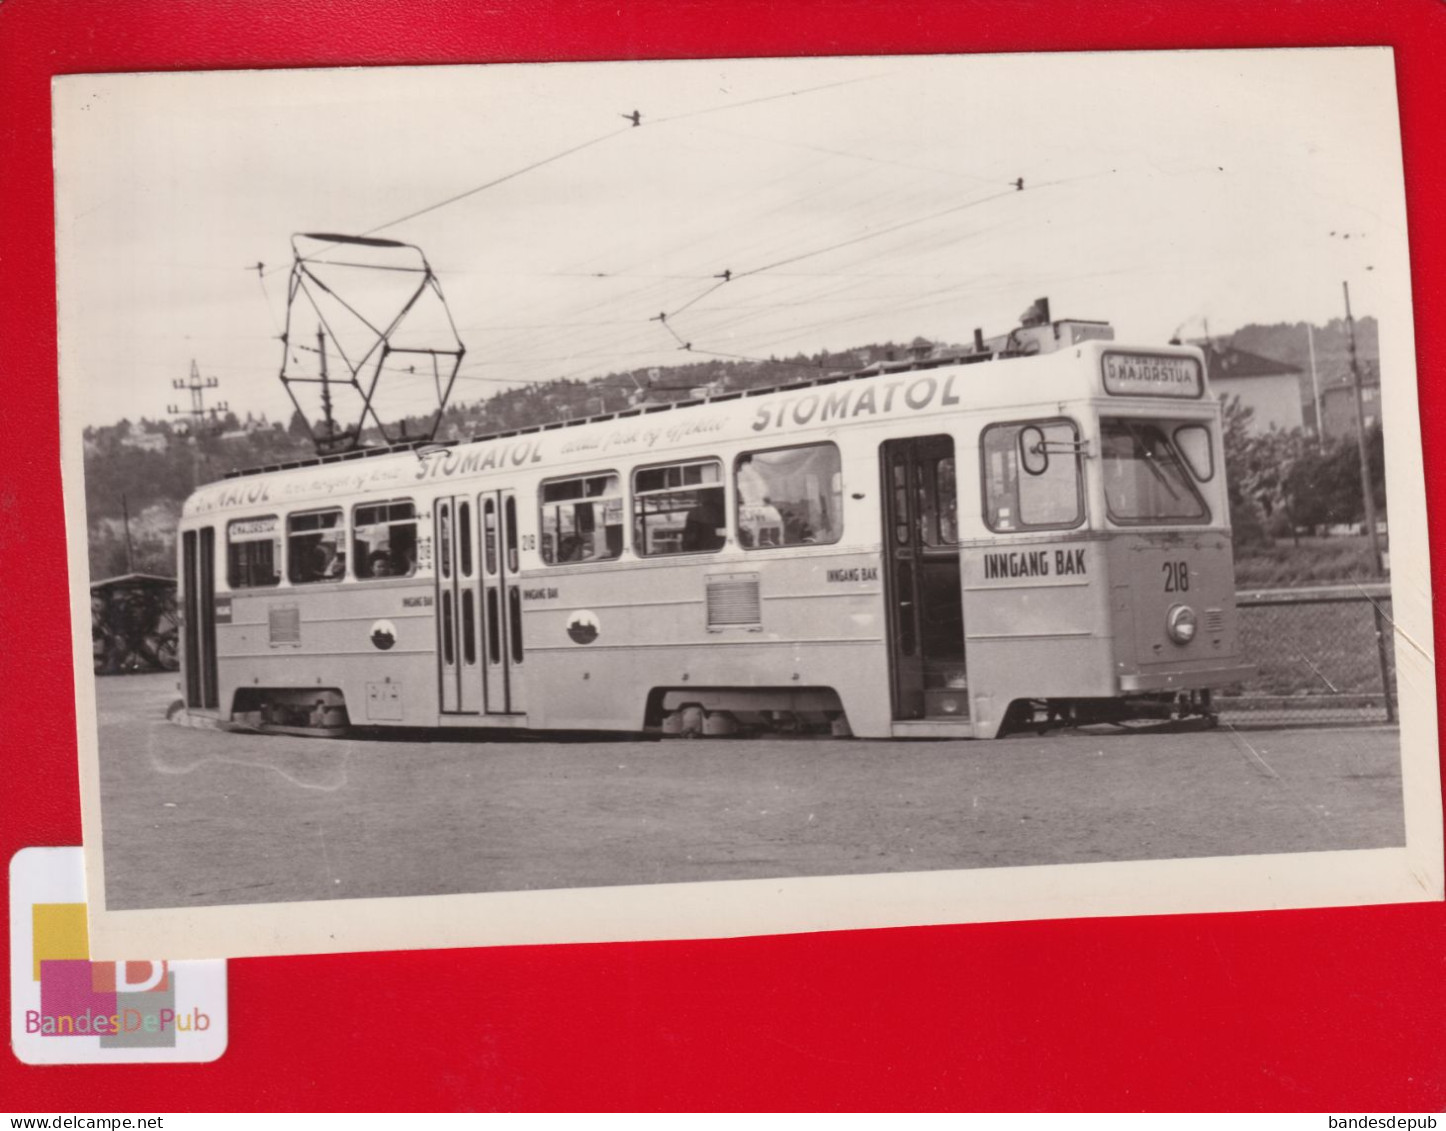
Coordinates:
(729, 275)
(498, 180)
(635, 120)
(769, 98)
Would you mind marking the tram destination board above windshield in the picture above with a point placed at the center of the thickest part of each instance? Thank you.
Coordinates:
(1152, 375)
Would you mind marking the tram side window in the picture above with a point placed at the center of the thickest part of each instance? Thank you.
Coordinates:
(253, 553)
(315, 547)
(1032, 476)
(789, 496)
(582, 519)
(384, 539)
(679, 509)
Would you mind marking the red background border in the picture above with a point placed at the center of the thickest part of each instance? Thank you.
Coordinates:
(1319, 1010)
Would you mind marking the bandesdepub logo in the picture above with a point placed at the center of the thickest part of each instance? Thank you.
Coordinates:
(125, 1004)
(384, 634)
(68, 1009)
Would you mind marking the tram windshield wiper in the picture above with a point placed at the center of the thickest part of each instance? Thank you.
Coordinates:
(1149, 460)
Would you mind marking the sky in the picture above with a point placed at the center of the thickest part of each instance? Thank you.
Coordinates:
(849, 201)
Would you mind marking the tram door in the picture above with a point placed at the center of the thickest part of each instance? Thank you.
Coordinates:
(501, 603)
(458, 627)
(198, 581)
(922, 584)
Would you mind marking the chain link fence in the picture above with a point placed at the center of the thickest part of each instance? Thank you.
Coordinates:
(1322, 655)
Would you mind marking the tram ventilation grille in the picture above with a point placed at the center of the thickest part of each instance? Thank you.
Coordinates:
(733, 600)
(284, 623)
(1214, 620)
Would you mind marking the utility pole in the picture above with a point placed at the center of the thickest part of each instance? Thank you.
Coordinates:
(1367, 487)
(196, 385)
(126, 518)
(329, 425)
(1315, 386)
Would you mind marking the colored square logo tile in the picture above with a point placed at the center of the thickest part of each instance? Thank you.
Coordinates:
(68, 1004)
(59, 932)
(147, 1021)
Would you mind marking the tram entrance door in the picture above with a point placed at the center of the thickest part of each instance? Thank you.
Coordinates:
(198, 586)
(501, 645)
(458, 627)
(921, 579)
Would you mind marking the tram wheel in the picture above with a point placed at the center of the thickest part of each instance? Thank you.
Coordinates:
(1019, 715)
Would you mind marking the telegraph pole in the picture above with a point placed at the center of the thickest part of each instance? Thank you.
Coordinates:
(126, 518)
(1315, 388)
(196, 385)
(330, 424)
(1367, 487)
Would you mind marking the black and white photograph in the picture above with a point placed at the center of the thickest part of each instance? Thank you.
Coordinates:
(579, 502)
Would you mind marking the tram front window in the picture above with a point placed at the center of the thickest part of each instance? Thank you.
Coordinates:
(1146, 481)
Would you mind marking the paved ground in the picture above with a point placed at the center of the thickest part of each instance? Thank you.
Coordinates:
(197, 817)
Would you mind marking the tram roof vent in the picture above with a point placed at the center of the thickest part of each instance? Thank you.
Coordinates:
(1038, 333)
(1060, 335)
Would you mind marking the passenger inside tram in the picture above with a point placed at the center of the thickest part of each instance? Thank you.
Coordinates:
(705, 528)
(379, 564)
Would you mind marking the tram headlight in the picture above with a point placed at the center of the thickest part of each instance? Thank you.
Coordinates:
(1180, 624)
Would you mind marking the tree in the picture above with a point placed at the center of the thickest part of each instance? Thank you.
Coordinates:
(1327, 484)
(1261, 469)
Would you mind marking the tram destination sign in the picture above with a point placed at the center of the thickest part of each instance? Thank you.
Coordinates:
(1151, 375)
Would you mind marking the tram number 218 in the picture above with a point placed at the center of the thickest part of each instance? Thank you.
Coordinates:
(1177, 576)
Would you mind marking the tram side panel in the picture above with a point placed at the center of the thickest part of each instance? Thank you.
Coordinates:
(1037, 623)
(729, 632)
(287, 649)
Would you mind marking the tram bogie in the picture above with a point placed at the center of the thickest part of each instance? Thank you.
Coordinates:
(717, 711)
(943, 551)
(311, 712)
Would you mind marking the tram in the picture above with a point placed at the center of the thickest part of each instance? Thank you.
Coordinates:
(1034, 530)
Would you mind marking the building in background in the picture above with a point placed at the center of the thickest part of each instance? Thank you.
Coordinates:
(1271, 389)
(1338, 403)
